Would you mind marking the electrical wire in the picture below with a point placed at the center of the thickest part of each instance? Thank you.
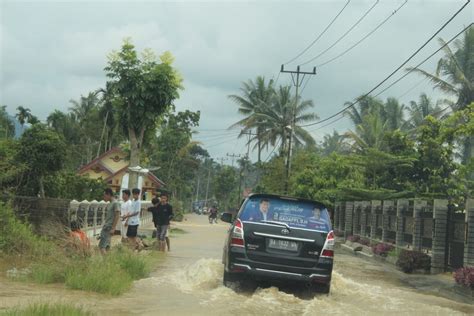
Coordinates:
(363, 38)
(393, 72)
(424, 60)
(343, 35)
(274, 147)
(412, 88)
(220, 143)
(319, 36)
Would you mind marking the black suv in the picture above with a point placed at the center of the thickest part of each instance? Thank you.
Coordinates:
(279, 238)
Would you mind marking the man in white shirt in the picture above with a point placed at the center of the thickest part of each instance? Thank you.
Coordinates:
(133, 218)
(125, 208)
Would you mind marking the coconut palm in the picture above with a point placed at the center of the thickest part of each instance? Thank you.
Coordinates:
(371, 121)
(420, 110)
(254, 94)
(276, 118)
(454, 76)
(333, 143)
(24, 115)
(393, 113)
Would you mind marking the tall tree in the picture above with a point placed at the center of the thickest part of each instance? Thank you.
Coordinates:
(144, 89)
(454, 76)
(276, 118)
(7, 127)
(42, 150)
(254, 95)
(420, 110)
(23, 115)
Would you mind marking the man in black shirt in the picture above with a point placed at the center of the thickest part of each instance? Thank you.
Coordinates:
(162, 214)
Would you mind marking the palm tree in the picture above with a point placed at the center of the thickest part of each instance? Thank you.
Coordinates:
(276, 118)
(455, 76)
(420, 110)
(371, 122)
(254, 95)
(333, 143)
(24, 115)
(393, 113)
(83, 108)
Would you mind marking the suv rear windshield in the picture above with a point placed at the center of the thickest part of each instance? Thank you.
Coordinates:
(296, 214)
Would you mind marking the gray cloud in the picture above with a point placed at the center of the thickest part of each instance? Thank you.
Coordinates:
(55, 51)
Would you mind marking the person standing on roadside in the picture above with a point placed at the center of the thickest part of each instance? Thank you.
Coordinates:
(112, 216)
(125, 208)
(164, 215)
(133, 218)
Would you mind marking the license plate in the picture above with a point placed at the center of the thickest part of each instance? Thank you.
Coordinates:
(283, 244)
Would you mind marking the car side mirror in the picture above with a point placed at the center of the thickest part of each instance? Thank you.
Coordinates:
(226, 217)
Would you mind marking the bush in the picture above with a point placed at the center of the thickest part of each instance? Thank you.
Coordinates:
(47, 309)
(382, 249)
(410, 261)
(364, 241)
(17, 238)
(353, 238)
(465, 277)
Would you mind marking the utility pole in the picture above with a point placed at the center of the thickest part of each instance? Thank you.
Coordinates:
(250, 134)
(207, 186)
(233, 156)
(297, 83)
(222, 160)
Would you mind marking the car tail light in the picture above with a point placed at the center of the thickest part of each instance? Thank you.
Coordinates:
(237, 237)
(328, 249)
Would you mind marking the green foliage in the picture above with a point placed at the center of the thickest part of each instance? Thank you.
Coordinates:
(42, 150)
(142, 91)
(7, 127)
(225, 184)
(17, 238)
(47, 309)
(68, 185)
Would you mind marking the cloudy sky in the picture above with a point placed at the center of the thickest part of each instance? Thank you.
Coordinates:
(54, 51)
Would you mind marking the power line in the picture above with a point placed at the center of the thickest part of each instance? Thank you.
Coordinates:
(319, 36)
(363, 38)
(423, 61)
(343, 35)
(412, 88)
(274, 147)
(393, 72)
(212, 137)
(220, 143)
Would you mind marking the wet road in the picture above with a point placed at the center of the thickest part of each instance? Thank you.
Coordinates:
(189, 282)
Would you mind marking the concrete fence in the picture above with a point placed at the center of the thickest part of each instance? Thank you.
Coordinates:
(41, 213)
(433, 226)
(91, 214)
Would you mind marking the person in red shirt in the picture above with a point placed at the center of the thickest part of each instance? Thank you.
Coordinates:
(79, 237)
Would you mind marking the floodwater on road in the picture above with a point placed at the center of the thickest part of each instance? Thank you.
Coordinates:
(189, 282)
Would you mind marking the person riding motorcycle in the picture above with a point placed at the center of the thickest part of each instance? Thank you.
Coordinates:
(213, 215)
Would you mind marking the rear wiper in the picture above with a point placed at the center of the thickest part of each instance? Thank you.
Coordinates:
(277, 223)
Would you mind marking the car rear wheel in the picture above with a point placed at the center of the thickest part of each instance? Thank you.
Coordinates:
(322, 288)
(230, 279)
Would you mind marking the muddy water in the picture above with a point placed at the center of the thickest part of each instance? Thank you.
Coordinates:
(190, 283)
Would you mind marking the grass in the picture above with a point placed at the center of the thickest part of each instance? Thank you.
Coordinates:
(52, 260)
(47, 309)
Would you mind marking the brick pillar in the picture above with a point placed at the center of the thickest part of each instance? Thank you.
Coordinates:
(342, 212)
(349, 217)
(402, 205)
(386, 205)
(356, 219)
(373, 217)
(469, 245)
(418, 207)
(440, 214)
(363, 218)
(337, 210)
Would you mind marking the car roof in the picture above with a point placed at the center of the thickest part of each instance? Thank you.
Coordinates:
(285, 197)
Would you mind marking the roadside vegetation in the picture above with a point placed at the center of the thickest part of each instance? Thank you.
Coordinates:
(43, 260)
(47, 309)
